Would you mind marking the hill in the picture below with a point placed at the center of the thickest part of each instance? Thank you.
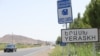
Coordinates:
(19, 39)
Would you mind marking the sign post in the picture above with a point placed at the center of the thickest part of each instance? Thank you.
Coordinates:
(94, 50)
(64, 10)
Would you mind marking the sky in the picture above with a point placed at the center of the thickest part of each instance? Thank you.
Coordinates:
(35, 19)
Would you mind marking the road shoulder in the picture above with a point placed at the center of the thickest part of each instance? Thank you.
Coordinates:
(45, 52)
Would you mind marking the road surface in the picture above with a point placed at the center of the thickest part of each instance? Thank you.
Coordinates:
(25, 52)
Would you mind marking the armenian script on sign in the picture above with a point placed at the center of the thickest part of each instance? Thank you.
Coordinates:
(80, 35)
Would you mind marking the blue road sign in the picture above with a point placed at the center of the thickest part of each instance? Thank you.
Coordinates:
(63, 44)
(64, 11)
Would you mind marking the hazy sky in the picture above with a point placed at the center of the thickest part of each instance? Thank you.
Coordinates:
(36, 19)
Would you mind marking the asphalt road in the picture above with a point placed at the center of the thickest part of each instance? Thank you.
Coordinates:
(25, 52)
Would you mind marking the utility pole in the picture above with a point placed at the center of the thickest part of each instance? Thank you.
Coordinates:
(12, 37)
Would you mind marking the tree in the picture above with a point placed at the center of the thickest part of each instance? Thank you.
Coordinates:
(78, 23)
(90, 18)
(58, 41)
(92, 14)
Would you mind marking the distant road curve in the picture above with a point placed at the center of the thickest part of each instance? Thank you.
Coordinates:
(26, 52)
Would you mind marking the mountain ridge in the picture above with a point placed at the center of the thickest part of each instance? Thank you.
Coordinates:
(19, 39)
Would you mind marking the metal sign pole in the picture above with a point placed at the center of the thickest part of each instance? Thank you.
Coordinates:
(68, 44)
(94, 50)
(62, 50)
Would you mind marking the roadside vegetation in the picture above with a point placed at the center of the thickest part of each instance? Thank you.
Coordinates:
(24, 45)
(85, 49)
(57, 51)
(2, 45)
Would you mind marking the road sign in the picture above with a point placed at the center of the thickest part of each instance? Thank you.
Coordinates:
(79, 35)
(64, 11)
(63, 44)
